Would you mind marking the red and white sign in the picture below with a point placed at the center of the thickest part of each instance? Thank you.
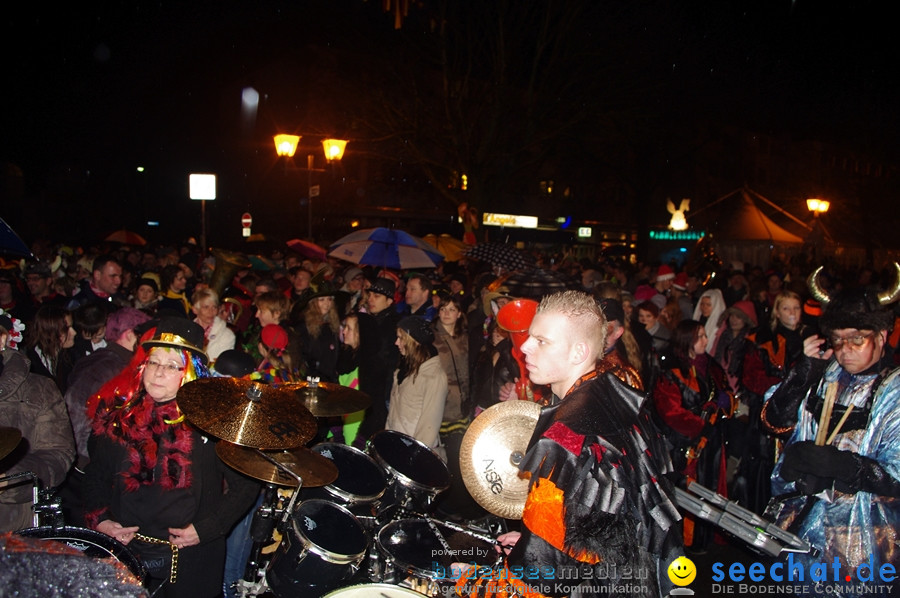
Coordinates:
(246, 220)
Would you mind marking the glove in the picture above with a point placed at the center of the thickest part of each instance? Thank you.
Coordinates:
(816, 468)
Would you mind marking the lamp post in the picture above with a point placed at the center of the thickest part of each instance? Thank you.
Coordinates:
(817, 233)
(286, 146)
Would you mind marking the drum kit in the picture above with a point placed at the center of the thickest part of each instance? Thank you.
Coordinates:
(345, 517)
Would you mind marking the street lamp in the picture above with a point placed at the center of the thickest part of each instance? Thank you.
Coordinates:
(817, 206)
(286, 146)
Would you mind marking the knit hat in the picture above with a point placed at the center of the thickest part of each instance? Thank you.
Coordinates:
(352, 273)
(643, 293)
(418, 328)
(384, 286)
(680, 281)
(274, 337)
(123, 320)
(178, 333)
(40, 268)
(665, 273)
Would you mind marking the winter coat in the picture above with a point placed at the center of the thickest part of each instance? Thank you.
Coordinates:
(33, 405)
(417, 403)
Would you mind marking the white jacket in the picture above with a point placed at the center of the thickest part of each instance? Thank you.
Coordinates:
(221, 338)
(417, 404)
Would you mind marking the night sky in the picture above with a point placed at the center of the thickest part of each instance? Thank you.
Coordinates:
(93, 91)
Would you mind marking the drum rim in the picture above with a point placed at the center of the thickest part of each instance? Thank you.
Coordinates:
(372, 586)
(329, 556)
(402, 478)
(68, 532)
(410, 569)
(349, 497)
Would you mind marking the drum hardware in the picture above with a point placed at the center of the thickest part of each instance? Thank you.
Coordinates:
(416, 473)
(491, 452)
(45, 504)
(247, 413)
(761, 534)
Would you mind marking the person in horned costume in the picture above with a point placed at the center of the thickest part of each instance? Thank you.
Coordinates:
(837, 482)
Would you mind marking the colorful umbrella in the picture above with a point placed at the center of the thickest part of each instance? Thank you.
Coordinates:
(501, 255)
(451, 247)
(126, 237)
(307, 249)
(385, 248)
(10, 243)
(534, 284)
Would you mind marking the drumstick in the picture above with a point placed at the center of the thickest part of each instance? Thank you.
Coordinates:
(840, 424)
(465, 530)
(825, 417)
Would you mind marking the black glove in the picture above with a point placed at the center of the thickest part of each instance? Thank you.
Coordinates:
(816, 468)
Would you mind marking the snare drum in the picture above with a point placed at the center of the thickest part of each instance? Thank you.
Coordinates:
(412, 547)
(368, 590)
(417, 475)
(322, 548)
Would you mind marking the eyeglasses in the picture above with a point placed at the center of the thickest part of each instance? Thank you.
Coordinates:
(856, 341)
(166, 369)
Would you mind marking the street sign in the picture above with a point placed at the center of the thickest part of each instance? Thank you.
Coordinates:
(246, 220)
(314, 191)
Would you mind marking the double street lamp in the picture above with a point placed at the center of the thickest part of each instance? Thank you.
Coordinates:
(286, 147)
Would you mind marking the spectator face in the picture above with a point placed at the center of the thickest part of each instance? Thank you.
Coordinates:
(449, 314)
(179, 282)
(109, 279)
(38, 285)
(145, 294)
(301, 281)
(699, 347)
(456, 287)
(350, 329)
(206, 311)
(705, 306)
(324, 304)
(377, 303)
(735, 322)
(416, 296)
(355, 283)
(267, 316)
(646, 318)
(788, 313)
(67, 338)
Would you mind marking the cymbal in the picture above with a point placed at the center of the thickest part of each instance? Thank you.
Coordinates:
(247, 413)
(314, 469)
(325, 399)
(491, 451)
(9, 440)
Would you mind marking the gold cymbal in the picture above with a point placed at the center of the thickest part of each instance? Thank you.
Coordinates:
(314, 469)
(9, 440)
(325, 399)
(247, 413)
(491, 451)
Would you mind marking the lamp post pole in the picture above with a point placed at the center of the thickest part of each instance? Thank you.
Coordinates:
(286, 146)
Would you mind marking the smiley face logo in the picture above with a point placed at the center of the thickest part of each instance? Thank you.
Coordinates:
(682, 571)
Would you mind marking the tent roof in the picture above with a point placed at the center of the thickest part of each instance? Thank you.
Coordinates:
(746, 222)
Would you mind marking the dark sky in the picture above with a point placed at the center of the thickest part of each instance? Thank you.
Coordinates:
(93, 87)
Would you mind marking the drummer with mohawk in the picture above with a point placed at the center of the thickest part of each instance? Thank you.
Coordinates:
(599, 518)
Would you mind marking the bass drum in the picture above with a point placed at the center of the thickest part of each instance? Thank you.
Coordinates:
(90, 543)
(320, 551)
(417, 474)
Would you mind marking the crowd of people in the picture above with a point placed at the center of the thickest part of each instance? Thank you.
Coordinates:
(729, 380)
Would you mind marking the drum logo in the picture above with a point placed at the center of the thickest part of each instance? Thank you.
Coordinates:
(309, 523)
(492, 477)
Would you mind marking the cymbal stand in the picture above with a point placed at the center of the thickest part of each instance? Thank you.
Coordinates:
(264, 522)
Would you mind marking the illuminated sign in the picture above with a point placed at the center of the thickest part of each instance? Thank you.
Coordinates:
(585, 231)
(677, 235)
(509, 220)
